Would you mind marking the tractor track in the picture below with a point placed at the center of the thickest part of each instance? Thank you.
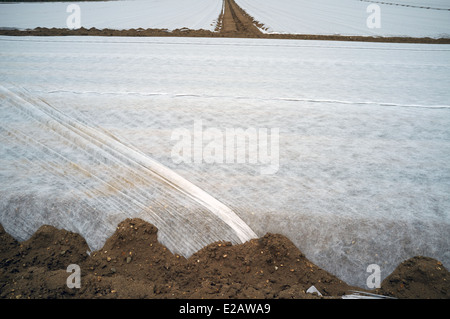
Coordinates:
(236, 21)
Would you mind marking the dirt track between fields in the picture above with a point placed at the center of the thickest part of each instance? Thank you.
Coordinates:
(233, 23)
(236, 22)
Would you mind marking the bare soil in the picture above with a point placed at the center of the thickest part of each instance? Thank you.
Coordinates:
(133, 264)
(236, 22)
(233, 23)
(417, 278)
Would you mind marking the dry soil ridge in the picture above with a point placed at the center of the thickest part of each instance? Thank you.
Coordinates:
(133, 264)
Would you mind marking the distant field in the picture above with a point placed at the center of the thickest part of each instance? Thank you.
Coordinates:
(50, 0)
(404, 18)
(168, 14)
(341, 18)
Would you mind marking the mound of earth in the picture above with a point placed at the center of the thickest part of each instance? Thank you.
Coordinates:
(418, 278)
(133, 264)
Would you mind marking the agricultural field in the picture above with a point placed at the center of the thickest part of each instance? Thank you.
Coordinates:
(121, 15)
(349, 17)
(214, 122)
